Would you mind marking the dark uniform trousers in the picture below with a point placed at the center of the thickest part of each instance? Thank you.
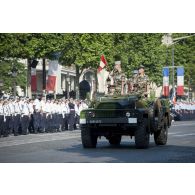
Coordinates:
(31, 124)
(65, 122)
(53, 122)
(16, 124)
(1, 124)
(24, 124)
(77, 118)
(42, 122)
(48, 122)
(37, 121)
(11, 124)
(71, 120)
(60, 122)
(6, 126)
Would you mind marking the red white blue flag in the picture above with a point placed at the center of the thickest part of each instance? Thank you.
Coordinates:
(180, 81)
(166, 82)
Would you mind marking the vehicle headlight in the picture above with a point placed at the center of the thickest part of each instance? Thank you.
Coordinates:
(91, 114)
(128, 114)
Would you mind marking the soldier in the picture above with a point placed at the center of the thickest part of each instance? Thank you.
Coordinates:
(42, 115)
(7, 117)
(48, 116)
(66, 112)
(118, 77)
(31, 123)
(76, 103)
(1, 117)
(37, 115)
(12, 111)
(131, 82)
(25, 117)
(71, 120)
(141, 82)
(16, 117)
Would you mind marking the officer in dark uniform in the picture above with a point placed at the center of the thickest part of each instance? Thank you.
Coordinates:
(71, 120)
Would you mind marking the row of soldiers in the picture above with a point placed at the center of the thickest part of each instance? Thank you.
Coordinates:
(120, 85)
(23, 115)
(184, 110)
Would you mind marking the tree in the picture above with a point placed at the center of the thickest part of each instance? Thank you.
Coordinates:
(7, 78)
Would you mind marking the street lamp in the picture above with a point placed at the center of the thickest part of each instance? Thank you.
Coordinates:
(68, 88)
(168, 40)
(14, 74)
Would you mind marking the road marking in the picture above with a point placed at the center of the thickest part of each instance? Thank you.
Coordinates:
(184, 124)
(174, 133)
(184, 135)
(40, 139)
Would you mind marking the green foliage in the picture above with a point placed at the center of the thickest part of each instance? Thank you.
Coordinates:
(7, 78)
(85, 49)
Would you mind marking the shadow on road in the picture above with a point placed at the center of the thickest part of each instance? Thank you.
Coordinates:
(127, 153)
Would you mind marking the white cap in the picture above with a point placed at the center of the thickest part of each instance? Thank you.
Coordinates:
(117, 62)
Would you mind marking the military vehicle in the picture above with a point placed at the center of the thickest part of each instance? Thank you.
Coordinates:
(128, 115)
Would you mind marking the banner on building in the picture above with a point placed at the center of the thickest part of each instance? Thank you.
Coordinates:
(166, 81)
(52, 73)
(180, 81)
(33, 66)
(102, 75)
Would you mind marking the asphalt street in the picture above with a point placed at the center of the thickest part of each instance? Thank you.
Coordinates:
(66, 147)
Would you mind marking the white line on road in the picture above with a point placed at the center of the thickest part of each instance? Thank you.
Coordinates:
(39, 139)
(184, 135)
(183, 124)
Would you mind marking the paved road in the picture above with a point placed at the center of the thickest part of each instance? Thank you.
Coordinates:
(66, 147)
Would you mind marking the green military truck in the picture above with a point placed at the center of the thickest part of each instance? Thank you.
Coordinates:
(130, 115)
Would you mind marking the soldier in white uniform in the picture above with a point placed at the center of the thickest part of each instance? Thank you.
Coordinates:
(25, 117)
(65, 113)
(1, 117)
(77, 105)
(12, 111)
(48, 116)
(31, 122)
(43, 115)
(37, 115)
(52, 119)
(7, 117)
(16, 117)
(55, 116)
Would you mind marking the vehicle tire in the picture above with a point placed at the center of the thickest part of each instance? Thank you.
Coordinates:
(160, 137)
(142, 136)
(115, 140)
(89, 140)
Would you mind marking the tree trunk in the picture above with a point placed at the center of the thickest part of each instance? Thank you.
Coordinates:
(28, 90)
(77, 81)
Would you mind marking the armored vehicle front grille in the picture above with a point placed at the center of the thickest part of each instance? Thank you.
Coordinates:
(110, 113)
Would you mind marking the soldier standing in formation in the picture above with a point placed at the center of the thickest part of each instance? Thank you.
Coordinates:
(1, 118)
(23, 116)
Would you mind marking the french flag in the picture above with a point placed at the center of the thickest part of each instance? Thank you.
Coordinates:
(102, 75)
(166, 82)
(52, 73)
(33, 75)
(180, 81)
